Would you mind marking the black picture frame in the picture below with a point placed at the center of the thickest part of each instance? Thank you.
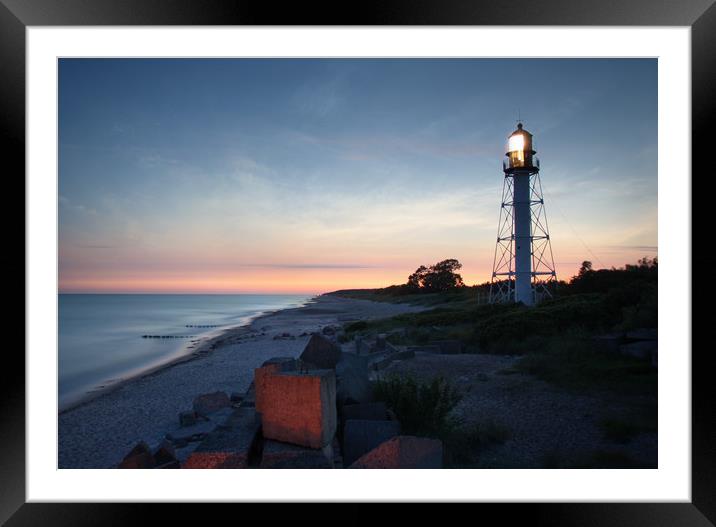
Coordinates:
(700, 15)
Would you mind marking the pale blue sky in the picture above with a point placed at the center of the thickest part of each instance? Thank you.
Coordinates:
(341, 171)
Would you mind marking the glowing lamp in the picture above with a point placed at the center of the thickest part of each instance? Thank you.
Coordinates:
(519, 149)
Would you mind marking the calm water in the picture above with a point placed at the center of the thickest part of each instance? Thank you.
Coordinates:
(100, 336)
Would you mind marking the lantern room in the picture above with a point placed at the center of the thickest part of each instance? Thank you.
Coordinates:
(520, 153)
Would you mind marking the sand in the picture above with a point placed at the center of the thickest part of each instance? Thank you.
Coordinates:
(101, 430)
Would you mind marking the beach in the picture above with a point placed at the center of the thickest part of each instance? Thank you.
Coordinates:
(98, 432)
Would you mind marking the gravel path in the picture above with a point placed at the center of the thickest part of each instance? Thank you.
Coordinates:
(100, 432)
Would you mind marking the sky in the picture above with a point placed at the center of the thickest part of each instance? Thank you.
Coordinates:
(311, 175)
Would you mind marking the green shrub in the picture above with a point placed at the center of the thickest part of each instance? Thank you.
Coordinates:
(421, 408)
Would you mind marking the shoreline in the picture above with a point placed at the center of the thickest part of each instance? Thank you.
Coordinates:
(205, 344)
(99, 432)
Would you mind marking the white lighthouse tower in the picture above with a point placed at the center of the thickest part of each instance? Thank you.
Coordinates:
(523, 268)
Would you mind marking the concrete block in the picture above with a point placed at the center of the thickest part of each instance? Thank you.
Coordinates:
(321, 352)
(360, 436)
(229, 446)
(403, 452)
(300, 408)
(352, 379)
(284, 455)
(270, 367)
(211, 402)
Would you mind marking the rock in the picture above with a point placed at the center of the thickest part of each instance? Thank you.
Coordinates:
(300, 408)
(642, 349)
(642, 334)
(211, 402)
(352, 379)
(139, 457)
(403, 452)
(284, 455)
(187, 418)
(165, 453)
(270, 367)
(448, 347)
(321, 352)
(362, 435)
(328, 330)
(230, 446)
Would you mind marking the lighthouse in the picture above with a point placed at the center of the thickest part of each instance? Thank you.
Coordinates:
(523, 267)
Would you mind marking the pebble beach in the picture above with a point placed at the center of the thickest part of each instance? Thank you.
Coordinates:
(99, 431)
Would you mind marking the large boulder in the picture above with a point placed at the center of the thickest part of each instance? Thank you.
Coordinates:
(321, 353)
(300, 408)
(211, 402)
(403, 452)
(363, 435)
(229, 446)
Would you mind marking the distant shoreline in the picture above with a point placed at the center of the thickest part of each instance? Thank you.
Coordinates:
(207, 342)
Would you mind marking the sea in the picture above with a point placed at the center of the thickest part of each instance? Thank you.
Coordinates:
(105, 338)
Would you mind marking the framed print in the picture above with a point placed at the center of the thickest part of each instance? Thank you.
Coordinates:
(271, 244)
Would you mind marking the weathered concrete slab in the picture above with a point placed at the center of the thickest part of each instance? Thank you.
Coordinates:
(300, 408)
(352, 379)
(321, 352)
(284, 455)
(642, 349)
(360, 436)
(229, 446)
(270, 367)
(210, 402)
(403, 452)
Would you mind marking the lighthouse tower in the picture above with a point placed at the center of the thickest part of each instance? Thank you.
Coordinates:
(523, 268)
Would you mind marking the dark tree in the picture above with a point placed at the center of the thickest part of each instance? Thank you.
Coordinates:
(586, 267)
(415, 280)
(442, 276)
